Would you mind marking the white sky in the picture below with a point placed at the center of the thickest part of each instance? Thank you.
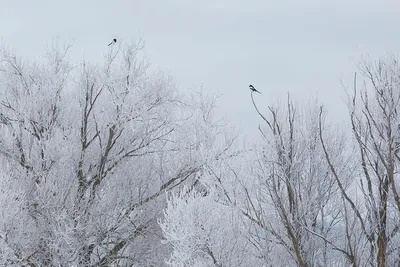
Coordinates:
(303, 47)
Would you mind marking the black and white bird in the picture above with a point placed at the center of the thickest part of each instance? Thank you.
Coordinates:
(253, 89)
(113, 42)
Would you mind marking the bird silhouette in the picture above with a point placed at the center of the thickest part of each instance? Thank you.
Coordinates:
(113, 42)
(253, 89)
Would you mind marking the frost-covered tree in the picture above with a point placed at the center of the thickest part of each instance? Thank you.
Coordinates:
(201, 223)
(87, 153)
(203, 232)
(295, 200)
(373, 206)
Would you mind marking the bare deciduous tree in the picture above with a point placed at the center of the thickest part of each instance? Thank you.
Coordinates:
(296, 197)
(375, 127)
(89, 152)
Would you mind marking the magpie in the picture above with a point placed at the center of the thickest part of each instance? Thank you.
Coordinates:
(113, 42)
(253, 89)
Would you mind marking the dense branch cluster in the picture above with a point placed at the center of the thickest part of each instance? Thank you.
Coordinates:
(87, 154)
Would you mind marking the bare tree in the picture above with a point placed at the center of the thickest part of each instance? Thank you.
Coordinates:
(296, 197)
(375, 127)
(90, 151)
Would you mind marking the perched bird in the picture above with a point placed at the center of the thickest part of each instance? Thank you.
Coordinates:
(253, 89)
(113, 42)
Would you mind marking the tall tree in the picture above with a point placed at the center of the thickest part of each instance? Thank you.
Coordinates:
(375, 126)
(89, 152)
(296, 195)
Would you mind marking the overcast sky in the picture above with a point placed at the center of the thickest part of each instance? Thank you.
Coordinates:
(303, 47)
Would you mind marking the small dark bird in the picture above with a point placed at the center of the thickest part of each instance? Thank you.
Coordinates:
(113, 42)
(253, 89)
